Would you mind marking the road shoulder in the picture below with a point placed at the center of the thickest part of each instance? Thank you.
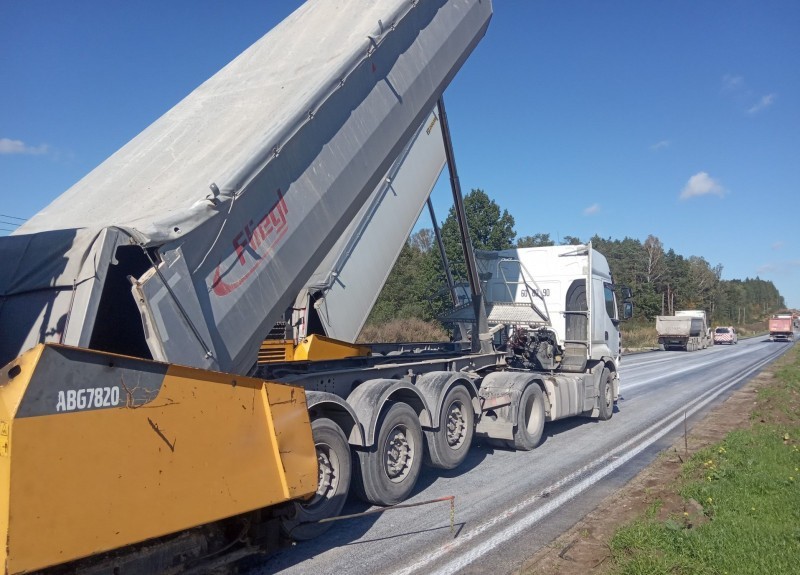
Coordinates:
(583, 549)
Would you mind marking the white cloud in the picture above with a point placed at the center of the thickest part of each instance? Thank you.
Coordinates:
(9, 146)
(777, 245)
(593, 209)
(764, 103)
(766, 269)
(660, 145)
(736, 88)
(731, 82)
(779, 268)
(701, 184)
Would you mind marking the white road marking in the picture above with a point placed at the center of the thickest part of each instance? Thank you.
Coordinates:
(526, 521)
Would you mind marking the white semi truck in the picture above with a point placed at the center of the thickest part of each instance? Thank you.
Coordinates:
(687, 330)
(139, 432)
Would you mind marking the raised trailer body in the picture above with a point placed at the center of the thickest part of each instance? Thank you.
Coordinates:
(232, 199)
(338, 297)
(185, 247)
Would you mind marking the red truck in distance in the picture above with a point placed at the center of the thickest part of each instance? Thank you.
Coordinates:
(781, 327)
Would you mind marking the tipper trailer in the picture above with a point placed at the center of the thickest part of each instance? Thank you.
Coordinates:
(781, 327)
(687, 330)
(139, 431)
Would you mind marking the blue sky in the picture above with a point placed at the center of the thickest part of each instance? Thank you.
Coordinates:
(678, 119)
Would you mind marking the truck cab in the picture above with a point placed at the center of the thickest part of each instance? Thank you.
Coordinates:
(551, 289)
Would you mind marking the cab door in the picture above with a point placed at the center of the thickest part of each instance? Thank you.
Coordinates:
(612, 319)
(606, 338)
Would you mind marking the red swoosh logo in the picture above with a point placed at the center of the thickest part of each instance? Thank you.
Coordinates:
(222, 288)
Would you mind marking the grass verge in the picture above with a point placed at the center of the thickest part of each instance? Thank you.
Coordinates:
(746, 491)
(403, 330)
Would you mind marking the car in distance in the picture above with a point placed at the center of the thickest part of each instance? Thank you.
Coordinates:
(725, 335)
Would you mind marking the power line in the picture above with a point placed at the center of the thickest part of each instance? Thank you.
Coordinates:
(13, 221)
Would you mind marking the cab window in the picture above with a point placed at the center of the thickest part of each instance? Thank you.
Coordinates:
(611, 303)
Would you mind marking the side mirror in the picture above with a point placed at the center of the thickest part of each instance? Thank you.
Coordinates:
(627, 310)
(626, 292)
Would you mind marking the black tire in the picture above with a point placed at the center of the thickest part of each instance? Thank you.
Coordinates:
(334, 466)
(449, 445)
(530, 419)
(388, 471)
(605, 397)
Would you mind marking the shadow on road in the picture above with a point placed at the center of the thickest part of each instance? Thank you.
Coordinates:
(349, 532)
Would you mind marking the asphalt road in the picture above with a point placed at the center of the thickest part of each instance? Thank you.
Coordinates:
(509, 504)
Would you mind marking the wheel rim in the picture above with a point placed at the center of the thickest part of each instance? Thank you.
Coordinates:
(328, 477)
(456, 425)
(532, 416)
(399, 453)
(609, 398)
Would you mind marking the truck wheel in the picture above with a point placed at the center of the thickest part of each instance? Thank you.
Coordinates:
(530, 419)
(389, 470)
(334, 469)
(448, 446)
(605, 399)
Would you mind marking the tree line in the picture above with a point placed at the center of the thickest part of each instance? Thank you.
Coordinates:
(662, 280)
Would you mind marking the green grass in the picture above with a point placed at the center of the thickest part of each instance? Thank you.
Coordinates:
(403, 330)
(749, 489)
(639, 335)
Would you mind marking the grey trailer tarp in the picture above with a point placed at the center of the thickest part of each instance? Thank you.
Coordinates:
(341, 293)
(216, 215)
